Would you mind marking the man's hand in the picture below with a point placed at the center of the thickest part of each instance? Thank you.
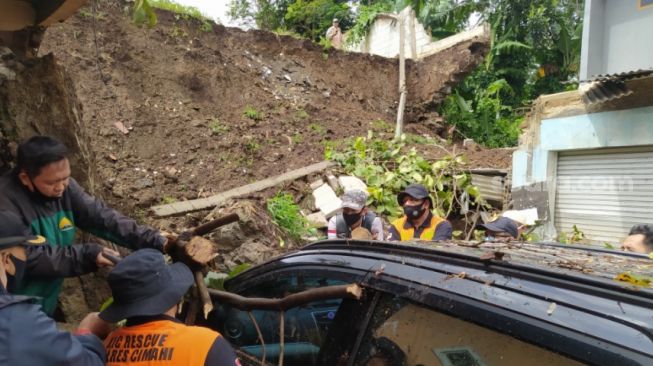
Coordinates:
(102, 261)
(93, 324)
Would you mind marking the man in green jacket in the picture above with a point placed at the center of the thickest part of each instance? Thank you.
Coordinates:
(53, 205)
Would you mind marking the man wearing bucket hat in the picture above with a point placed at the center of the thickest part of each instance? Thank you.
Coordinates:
(28, 336)
(355, 214)
(146, 292)
(418, 222)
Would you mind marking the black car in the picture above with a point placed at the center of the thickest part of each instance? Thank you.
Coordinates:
(449, 304)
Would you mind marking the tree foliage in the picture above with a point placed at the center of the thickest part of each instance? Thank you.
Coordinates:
(387, 167)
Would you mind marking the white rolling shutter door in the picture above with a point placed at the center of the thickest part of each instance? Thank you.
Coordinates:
(604, 192)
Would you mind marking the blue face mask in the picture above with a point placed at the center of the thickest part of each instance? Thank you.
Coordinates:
(14, 281)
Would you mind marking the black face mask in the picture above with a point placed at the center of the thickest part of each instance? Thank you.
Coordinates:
(413, 212)
(13, 281)
(351, 219)
(40, 196)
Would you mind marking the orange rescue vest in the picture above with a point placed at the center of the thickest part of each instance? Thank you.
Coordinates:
(161, 342)
(408, 234)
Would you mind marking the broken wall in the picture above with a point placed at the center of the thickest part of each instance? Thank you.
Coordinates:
(563, 123)
(430, 79)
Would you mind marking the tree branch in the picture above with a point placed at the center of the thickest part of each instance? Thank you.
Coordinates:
(260, 336)
(282, 336)
(351, 291)
(203, 291)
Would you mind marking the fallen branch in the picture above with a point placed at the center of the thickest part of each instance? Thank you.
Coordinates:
(351, 291)
(282, 336)
(260, 336)
(207, 304)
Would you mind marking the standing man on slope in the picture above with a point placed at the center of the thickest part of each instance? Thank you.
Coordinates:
(334, 34)
(52, 204)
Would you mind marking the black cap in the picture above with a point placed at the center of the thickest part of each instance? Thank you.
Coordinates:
(502, 224)
(143, 284)
(417, 191)
(12, 231)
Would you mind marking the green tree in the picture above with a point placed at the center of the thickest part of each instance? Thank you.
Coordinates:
(265, 14)
(312, 18)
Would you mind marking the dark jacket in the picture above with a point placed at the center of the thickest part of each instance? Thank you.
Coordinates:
(28, 337)
(57, 220)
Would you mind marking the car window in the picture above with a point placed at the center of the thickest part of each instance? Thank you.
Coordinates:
(403, 333)
(305, 327)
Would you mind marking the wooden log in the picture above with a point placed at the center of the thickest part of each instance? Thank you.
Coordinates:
(351, 291)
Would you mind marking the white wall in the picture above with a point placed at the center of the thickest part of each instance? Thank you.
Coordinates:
(616, 37)
(383, 37)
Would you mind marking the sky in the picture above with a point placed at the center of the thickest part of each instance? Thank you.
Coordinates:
(216, 9)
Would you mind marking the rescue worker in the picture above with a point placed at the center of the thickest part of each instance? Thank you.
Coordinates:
(355, 214)
(418, 222)
(146, 292)
(28, 337)
(502, 229)
(52, 204)
(509, 225)
(639, 239)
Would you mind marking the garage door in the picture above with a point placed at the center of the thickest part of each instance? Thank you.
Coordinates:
(604, 192)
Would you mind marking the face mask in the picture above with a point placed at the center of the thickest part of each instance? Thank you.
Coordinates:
(13, 281)
(40, 196)
(351, 219)
(413, 212)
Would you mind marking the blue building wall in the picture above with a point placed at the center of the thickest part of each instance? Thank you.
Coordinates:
(632, 127)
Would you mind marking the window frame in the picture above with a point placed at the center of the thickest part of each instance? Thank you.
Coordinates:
(579, 347)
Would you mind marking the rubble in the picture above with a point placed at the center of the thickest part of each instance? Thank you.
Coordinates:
(349, 182)
(326, 200)
(317, 220)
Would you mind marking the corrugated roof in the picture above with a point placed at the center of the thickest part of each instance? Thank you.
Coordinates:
(606, 87)
(626, 75)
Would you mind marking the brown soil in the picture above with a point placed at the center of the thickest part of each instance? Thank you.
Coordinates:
(181, 94)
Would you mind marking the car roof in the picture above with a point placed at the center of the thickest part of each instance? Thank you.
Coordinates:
(573, 288)
(599, 265)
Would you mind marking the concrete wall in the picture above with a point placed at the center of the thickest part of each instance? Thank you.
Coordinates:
(564, 125)
(383, 37)
(615, 37)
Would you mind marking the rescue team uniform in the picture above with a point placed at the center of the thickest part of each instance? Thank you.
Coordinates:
(433, 228)
(28, 337)
(57, 220)
(164, 340)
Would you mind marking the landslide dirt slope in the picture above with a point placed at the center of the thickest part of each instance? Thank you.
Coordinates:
(181, 94)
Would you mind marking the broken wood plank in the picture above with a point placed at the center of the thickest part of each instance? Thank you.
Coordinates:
(210, 202)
